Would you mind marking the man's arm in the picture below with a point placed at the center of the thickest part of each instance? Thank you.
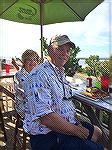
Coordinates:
(58, 124)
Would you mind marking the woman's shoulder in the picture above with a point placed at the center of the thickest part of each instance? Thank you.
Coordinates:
(39, 69)
(21, 74)
(40, 72)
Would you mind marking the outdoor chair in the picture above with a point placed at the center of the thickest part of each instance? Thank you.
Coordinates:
(7, 89)
(4, 91)
(19, 94)
(17, 138)
(2, 124)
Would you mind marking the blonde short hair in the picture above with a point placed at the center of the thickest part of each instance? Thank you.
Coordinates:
(30, 54)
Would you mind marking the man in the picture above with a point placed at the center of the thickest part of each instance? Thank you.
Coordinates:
(50, 115)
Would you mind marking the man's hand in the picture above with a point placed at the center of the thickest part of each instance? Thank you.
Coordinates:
(81, 131)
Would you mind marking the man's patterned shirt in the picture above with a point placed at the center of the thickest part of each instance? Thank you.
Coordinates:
(44, 93)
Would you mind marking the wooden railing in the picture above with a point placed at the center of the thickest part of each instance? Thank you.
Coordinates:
(102, 115)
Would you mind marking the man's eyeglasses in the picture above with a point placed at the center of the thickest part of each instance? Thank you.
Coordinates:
(63, 49)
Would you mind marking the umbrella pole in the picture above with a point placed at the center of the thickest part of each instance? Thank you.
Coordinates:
(41, 26)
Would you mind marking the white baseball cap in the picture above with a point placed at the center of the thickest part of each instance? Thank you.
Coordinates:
(61, 40)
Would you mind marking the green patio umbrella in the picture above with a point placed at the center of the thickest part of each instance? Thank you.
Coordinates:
(44, 12)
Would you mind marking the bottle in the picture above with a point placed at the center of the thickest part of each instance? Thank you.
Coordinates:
(89, 82)
(98, 84)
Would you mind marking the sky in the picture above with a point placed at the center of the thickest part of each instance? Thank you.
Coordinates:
(93, 35)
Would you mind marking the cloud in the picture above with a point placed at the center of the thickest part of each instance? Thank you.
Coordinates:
(93, 30)
(96, 32)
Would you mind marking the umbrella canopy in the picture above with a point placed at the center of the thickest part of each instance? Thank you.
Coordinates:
(43, 12)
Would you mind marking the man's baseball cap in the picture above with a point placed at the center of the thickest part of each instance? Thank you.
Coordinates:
(61, 40)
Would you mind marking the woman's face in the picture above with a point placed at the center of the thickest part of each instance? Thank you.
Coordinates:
(30, 63)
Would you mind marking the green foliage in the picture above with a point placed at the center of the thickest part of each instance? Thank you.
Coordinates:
(72, 64)
(96, 67)
(110, 68)
(45, 46)
(104, 68)
(105, 118)
(93, 63)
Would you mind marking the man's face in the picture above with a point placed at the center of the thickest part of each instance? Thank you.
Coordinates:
(60, 55)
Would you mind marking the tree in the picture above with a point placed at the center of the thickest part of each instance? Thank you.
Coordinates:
(45, 46)
(72, 64)
(104, 68)
(96, 67)
(110, 68)
(93, 63)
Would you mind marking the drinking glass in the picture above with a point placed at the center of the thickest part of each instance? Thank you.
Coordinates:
(7, 68)
(105, 83)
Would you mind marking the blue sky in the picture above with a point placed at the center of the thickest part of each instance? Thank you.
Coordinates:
(93, 36)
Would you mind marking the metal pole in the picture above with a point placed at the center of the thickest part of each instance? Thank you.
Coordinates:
(41, 25)
(110, 30)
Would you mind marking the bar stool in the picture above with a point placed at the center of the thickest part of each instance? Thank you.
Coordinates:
(17, 127)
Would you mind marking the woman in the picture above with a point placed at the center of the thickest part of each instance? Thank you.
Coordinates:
(29, 59)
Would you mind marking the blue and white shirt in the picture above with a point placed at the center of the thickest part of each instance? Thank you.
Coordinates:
(20, 99)
(44, 92)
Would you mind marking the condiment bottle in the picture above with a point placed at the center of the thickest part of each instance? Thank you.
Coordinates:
(89, 82)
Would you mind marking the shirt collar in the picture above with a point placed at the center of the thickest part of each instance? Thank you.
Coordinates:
(56, 68)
